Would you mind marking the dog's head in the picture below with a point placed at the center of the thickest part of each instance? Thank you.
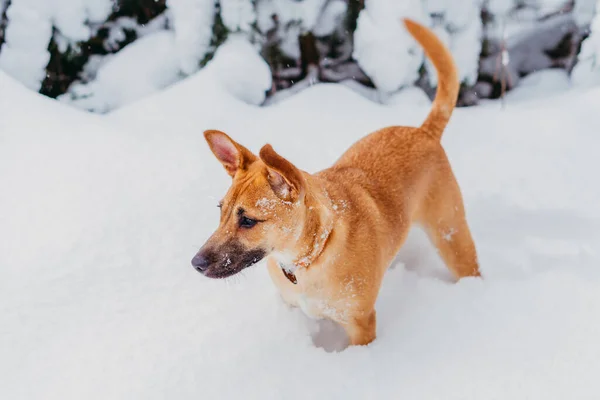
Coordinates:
(261, 213)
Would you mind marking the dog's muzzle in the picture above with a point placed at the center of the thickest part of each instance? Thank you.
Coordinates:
(227, 261)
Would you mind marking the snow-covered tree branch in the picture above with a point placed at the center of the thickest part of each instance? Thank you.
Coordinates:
(77, 50)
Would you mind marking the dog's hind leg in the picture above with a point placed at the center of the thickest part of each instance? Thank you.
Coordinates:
(442, 215)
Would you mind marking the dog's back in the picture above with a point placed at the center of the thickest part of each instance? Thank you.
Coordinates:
(400, 157)
(402, 175)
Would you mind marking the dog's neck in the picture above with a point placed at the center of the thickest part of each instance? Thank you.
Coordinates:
(318, 227)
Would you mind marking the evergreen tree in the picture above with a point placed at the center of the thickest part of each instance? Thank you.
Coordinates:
(522, 37)
(61, 48)
(37, 27)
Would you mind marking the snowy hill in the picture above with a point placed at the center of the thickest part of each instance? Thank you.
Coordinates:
(100, 216)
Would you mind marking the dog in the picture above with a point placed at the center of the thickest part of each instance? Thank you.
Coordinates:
(329, 237)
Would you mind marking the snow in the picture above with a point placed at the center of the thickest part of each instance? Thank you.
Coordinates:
(143, 67)
(500, 7)
(584, 11)
(154, 62)
(72, 18)
(463, 33)
(238, 15)
(241, 70)
(192, 21)
(25, 54)
(306, 12)
(331, 17)
(100, 216)
(391, 58)
(25, 51)
(117, 27)
(587, 70)
(548, 6)
(295, 18)
(411, 95)
(539, 7)
(383, 48)
(465, 45)
(548, 82)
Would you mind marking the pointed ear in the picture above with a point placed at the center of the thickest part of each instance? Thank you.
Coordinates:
(232, 155)
(285, 179)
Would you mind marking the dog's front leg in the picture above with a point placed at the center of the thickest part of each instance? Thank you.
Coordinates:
(361, 329)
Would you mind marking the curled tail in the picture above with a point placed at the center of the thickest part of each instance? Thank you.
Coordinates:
(448, 84)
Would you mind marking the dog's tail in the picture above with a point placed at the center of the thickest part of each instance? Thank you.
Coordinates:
(448, 84)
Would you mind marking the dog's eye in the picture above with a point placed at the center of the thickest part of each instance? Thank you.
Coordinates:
(220, 205)
(246, 222)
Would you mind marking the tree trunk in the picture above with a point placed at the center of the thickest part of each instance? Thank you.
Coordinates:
(309, 55)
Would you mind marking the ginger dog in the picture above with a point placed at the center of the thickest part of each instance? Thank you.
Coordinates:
(330, 236)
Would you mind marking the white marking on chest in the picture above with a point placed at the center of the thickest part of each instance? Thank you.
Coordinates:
(307, 306)
(318, 309)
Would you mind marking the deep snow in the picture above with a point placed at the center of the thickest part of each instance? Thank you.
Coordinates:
(100, 216)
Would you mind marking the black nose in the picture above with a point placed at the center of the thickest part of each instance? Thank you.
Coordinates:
(200, 263)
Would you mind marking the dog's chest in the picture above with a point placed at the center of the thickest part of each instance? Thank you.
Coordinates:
(316, 306)
(310, 306)
(310, 300)
(308, 293)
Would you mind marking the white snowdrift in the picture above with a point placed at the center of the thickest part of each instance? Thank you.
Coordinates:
(239, 68)
(139, 70)
(100, 216)
(149, 65)
(33, 23)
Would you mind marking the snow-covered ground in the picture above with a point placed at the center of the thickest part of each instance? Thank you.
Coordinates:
(100, 216)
